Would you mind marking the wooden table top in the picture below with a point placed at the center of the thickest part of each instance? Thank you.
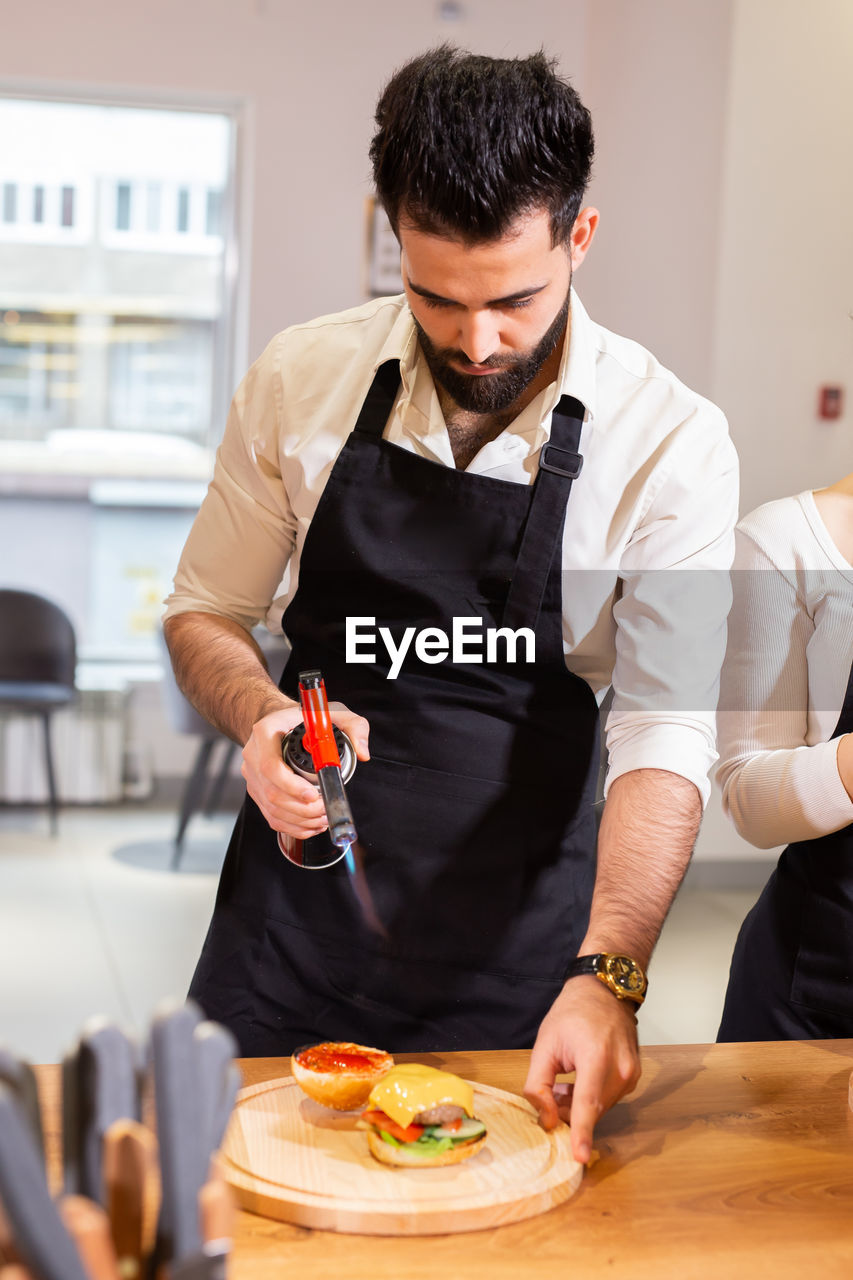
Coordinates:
(728, 1161)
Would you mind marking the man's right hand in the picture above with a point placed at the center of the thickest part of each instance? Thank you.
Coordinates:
(290, 803)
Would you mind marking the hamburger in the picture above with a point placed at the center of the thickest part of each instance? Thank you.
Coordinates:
(418, 1117)
(339, 1074)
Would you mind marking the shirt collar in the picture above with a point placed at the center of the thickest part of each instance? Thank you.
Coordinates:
(577, 367)
(401, 344)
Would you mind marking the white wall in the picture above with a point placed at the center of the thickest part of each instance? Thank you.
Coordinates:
(786, 247)
(657, 81)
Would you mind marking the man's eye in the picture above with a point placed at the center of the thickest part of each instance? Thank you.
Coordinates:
(437, 303)
(517, 304)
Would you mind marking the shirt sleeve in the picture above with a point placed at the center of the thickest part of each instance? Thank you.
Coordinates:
(776, 788)
(671, 612)
(241, 541)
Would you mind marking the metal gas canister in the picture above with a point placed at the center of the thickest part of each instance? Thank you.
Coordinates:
(318, 852)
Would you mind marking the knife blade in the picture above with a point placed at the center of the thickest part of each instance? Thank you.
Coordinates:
(71, 1127)
(233, 1085)
(216, 1049)
(179, 1131)
(200, 1266)
(40, 1237)
(109, 1070)
(20, 1077)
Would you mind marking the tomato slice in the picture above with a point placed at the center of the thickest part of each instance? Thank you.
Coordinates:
(378, 1118)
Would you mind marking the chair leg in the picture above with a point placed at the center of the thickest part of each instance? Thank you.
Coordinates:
(53, 799)
(214, 796)
(193, 793)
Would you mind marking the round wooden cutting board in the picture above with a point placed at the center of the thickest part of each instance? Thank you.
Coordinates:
(289, 1158)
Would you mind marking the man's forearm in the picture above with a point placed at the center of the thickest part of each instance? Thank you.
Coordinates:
(221, 670)
(648, 829)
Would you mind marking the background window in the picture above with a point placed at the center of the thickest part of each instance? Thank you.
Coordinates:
(153, 193)
(214, 213)
(67, 218)
(112, 296)
(183, 209)
(123, 206)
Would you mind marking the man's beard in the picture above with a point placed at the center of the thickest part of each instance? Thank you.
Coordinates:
(493, 392)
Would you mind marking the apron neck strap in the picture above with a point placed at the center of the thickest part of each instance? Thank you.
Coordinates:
(379, 400)
(559, 465)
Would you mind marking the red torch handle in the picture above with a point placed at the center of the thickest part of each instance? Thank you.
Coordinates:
(319, 737)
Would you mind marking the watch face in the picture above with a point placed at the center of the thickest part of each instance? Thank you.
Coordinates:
(625, 975)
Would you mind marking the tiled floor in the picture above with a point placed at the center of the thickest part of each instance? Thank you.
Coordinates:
(83, 930)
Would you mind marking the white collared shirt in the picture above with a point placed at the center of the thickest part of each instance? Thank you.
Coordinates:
(648, 536)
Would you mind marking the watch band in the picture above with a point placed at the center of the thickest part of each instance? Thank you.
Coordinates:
(620, 974)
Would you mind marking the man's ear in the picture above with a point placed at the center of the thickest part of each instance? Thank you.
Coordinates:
(582, 234)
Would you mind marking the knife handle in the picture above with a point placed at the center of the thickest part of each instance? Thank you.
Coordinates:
(7, 1241)
(132, 1190)
(89, 1228)
(218, 1211)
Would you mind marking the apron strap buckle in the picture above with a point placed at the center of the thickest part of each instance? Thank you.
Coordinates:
(565, 463)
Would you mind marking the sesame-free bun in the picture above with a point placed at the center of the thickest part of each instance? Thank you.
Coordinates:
(401, 1157)
(339, 1074)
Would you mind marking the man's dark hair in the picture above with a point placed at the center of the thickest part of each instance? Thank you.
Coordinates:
(465, 145)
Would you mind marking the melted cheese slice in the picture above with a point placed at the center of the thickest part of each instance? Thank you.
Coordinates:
(411, 1087)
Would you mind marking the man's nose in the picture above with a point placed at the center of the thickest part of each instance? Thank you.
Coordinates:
(479, 337)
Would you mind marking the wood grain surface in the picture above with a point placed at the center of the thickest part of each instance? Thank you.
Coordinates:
(729, 1162)
(290, 1158)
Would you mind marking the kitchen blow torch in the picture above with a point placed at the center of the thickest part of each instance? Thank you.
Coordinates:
(319, 740)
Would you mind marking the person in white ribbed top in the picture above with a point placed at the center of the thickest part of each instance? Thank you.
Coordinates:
(786, 764)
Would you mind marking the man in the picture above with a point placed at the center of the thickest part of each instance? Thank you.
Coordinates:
(415, 464)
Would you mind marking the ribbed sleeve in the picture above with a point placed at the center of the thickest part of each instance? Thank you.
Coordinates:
(787, 666)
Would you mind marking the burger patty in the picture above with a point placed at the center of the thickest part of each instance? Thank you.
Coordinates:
(440, 1115)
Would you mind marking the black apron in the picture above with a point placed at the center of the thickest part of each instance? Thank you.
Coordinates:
(475, 810)
(791, 976)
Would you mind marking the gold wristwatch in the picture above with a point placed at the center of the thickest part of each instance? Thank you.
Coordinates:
(625, 978)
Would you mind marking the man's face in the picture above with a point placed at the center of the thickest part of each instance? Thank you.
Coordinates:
(490, 317)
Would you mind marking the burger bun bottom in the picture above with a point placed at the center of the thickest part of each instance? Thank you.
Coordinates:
(401, 1158)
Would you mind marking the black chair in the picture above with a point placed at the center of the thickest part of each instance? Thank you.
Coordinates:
(38, 658)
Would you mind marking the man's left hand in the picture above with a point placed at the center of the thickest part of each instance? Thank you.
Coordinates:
(589, 1031)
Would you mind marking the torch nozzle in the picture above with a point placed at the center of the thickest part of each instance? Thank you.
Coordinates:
(341, 826)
